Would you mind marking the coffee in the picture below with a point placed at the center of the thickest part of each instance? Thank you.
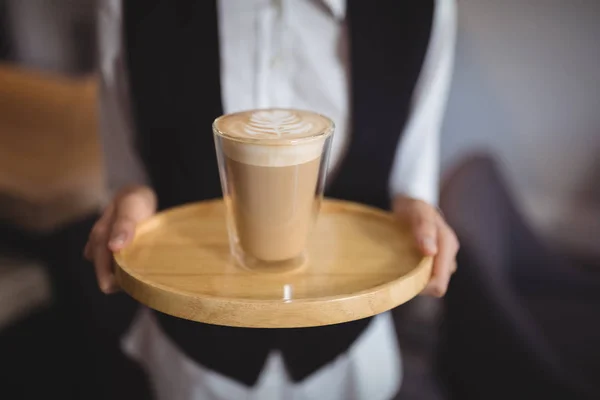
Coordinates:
(273, 164)
(273, 207)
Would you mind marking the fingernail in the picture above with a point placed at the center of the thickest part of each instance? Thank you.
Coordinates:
(117, 240)
(435, 289)
(440, 292)
(105, 287)
(429, 245)
(109, 285)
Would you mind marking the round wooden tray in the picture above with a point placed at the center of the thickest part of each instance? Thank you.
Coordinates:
(361, 262)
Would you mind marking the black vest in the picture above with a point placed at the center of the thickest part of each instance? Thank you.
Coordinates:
(174, 71)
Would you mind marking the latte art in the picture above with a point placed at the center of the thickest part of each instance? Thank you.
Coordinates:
(274, 125)
(278, 123)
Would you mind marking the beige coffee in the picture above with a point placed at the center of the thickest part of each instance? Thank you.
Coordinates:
(272, 160)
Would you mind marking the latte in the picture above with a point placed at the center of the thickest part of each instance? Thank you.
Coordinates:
(273, 164)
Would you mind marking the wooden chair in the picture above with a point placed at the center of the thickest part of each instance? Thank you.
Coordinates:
(50, 164)
(50, 174)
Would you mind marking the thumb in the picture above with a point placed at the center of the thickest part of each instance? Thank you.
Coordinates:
(425, 232)
(422, 219)
(131, 207)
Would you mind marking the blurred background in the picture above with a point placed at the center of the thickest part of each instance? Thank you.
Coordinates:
(521, 186)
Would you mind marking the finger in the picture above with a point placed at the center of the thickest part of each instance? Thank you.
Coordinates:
(423, 220)
(104, 270)
(95, 250)
(87, 253)
(122, 233)
(444, 262)
(131, 209)
(98, 232)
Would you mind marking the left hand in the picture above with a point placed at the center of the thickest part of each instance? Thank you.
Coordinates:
(434, 238)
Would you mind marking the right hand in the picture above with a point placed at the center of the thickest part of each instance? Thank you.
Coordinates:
(115, 230)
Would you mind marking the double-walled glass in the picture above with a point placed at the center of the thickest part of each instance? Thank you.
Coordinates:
(273, 164)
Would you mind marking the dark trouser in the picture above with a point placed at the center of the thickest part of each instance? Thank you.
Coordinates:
(520, 320)
(85, 324)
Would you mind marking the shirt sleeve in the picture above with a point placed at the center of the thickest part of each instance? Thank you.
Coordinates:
(415, 171)
(122, 163)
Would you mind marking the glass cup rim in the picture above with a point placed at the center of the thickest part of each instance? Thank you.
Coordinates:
(274, 142)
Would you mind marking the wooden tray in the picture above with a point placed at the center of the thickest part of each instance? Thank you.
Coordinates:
(361, 262)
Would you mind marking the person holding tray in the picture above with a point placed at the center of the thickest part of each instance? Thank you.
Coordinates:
(379, 69)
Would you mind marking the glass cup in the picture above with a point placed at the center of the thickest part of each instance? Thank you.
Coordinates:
(272, 164)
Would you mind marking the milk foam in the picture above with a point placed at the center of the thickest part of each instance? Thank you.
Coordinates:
(273, 156)
(279, 137)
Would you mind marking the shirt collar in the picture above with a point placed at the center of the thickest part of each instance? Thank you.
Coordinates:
(337, 8)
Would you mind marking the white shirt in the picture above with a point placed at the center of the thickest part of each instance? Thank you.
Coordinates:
(270, 58)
